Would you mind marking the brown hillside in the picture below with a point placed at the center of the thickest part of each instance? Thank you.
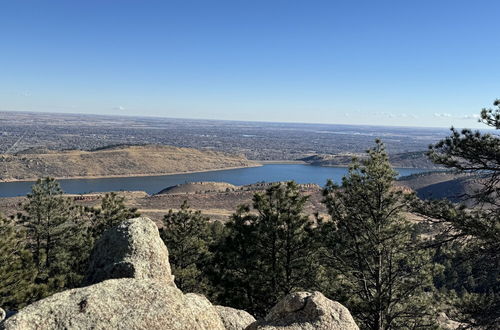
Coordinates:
(118, 161)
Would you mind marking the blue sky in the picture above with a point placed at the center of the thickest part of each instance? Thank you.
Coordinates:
(411, 63)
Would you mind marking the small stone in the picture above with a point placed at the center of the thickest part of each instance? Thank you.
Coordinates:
(234, 319)
(306, 311)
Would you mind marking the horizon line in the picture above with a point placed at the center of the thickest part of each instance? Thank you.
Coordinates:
(233, 120)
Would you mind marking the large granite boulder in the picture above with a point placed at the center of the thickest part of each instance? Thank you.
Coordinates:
(234, 319)
(133, 249)
(306, 311)
(119, 304)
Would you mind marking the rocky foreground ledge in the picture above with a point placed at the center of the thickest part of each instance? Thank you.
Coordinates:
(130, 286)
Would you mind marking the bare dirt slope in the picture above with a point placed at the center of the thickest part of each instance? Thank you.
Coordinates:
(117, 161)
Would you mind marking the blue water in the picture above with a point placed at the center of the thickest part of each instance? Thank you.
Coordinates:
(153, 184)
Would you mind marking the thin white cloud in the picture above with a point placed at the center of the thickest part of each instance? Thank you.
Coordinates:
(119, 108)
(393, 115)
(474, 116)
(446, 115)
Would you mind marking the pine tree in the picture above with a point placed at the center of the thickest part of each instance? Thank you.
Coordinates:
(476, 231)
(377, 269)
(470, 151)
(267, 253)
(110, 214)
(17, 270)
(56, 236)
(186, 233)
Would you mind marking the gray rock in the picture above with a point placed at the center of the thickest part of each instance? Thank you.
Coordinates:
(306, 311)
(234, 319)
(133, 249)
(446, 323)
(3, 314)
(119, 304)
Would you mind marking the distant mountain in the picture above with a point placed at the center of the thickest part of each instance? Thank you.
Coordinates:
(114, 161)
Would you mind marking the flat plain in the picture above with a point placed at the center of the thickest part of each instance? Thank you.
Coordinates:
(263, 141)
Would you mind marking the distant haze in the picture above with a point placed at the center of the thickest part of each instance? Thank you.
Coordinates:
(398, 63)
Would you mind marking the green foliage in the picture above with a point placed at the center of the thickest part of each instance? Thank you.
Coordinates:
(57, 237)
(474, 152)
(375, 264)
(475, 233)
(187, 236)
(110, 214)
(267, 252)
(47, 249)
(17, 270)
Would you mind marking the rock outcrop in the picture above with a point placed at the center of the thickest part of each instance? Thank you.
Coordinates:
(234, 319)
(306, 311)
(132, 288)
(133, 249)
(119, 304)
(446, 323)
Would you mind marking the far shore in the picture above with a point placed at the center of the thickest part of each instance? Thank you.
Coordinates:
(256, 164)
(300, 162)
(270, 162)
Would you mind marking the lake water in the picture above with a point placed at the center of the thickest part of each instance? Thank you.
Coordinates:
(153, 184)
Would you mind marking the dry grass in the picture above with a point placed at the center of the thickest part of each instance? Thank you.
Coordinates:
(124, 161)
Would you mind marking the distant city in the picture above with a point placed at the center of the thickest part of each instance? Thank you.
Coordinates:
(23, 131)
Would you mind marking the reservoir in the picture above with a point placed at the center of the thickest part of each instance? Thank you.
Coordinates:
(152, 184)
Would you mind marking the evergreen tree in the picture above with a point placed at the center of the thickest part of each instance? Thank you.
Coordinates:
(475, 233)
(56, 237)
(377, 269)
(267, 252)
(186, 233)
(110, 214)
(470, 151)
(17, 270)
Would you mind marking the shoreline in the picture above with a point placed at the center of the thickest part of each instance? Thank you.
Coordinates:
(284, 162)
(90, 177)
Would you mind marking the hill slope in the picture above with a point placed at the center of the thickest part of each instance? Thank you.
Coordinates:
(198, 187)
(116, 161)
(441, 185)
(406, 160)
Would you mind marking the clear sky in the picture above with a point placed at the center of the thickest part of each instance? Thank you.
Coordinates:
(411, 62)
